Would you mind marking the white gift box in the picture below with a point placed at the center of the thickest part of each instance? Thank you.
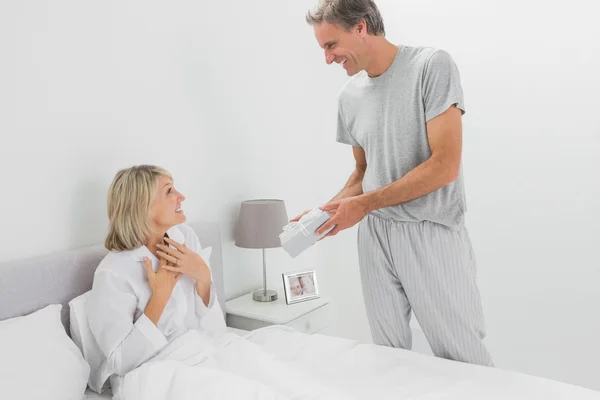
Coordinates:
(298, 236)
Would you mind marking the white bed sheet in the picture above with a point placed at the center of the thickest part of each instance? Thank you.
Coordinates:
(278, 363)
(91, 395)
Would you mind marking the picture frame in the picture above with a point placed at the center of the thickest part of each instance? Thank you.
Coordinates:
(300, 286)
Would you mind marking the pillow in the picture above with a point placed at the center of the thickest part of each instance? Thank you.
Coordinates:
(77, 309)
(39, 360)
(205, 254)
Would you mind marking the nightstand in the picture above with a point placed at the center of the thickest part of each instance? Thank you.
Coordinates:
(309, 316)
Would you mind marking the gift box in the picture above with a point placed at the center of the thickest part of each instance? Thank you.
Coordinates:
(298, 236)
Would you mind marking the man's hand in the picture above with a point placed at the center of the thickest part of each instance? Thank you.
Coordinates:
(297, 217)
(345, 214)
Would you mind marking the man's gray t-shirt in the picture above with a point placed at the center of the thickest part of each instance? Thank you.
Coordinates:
(386, 116)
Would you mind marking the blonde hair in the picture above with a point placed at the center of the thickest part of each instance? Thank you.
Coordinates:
(129, 199)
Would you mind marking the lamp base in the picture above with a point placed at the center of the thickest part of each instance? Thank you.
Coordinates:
(264, 296)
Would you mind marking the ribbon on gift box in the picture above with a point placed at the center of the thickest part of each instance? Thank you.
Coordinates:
(301, 223)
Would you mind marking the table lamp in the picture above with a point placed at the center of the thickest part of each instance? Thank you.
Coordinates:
(258, 227)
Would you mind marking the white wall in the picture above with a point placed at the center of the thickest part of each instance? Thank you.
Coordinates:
(235, 100)
(530, 75)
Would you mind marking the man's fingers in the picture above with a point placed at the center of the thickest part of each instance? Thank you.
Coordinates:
(334, 231)
(330, 222)
(334, 205)
(297, 218)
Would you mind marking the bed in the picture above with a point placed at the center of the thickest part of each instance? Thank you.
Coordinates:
(327, 367)
(27, 285)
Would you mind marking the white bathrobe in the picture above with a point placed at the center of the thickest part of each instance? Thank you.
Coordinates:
(115, 309)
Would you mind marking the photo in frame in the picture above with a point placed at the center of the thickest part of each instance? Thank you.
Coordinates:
(300, 286)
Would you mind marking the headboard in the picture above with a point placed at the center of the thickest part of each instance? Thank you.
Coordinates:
(30, 284)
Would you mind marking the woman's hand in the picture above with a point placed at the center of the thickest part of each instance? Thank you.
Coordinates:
(162, 282)
(184, 261)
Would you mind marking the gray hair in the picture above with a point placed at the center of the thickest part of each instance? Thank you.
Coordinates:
(348, 13)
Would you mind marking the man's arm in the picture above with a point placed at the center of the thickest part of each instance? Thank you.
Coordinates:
(444, 134)
(354, 185)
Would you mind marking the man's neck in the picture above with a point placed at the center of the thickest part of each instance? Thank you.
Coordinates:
(382, 54)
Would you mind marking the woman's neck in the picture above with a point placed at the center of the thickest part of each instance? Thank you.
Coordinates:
(154, 240)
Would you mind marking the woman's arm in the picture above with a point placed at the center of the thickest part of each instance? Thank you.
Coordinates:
(203, 290)
(190, 259)
(193, 260)
(155, 307)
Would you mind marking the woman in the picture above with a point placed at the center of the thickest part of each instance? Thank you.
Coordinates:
(295, 286)
(153, 286)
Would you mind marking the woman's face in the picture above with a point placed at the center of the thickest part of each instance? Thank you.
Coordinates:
(165, 210)
(295, 287)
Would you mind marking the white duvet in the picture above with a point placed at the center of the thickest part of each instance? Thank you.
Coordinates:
(277, 363)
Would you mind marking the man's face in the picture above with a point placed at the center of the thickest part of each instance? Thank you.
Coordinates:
(341, 46)
(307, 284)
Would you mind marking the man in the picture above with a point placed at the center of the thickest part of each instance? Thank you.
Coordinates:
(401, 112)
(308, 286)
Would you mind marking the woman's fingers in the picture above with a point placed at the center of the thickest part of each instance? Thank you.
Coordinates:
(167, 257)
(168, 250)
(173, 269)
(148, 266)
(173, 243)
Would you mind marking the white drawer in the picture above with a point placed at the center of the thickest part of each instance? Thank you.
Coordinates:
(311, 322)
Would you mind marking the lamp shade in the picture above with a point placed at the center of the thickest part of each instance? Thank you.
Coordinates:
(259, 224)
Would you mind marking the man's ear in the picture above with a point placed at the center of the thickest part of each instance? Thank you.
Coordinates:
(361, 27)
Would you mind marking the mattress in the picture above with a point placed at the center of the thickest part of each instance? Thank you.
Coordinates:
(91, 395)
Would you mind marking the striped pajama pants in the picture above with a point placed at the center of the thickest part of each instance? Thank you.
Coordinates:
(430, 269)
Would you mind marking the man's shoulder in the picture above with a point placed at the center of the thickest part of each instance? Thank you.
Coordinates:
(420, 56)
(431, 60)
